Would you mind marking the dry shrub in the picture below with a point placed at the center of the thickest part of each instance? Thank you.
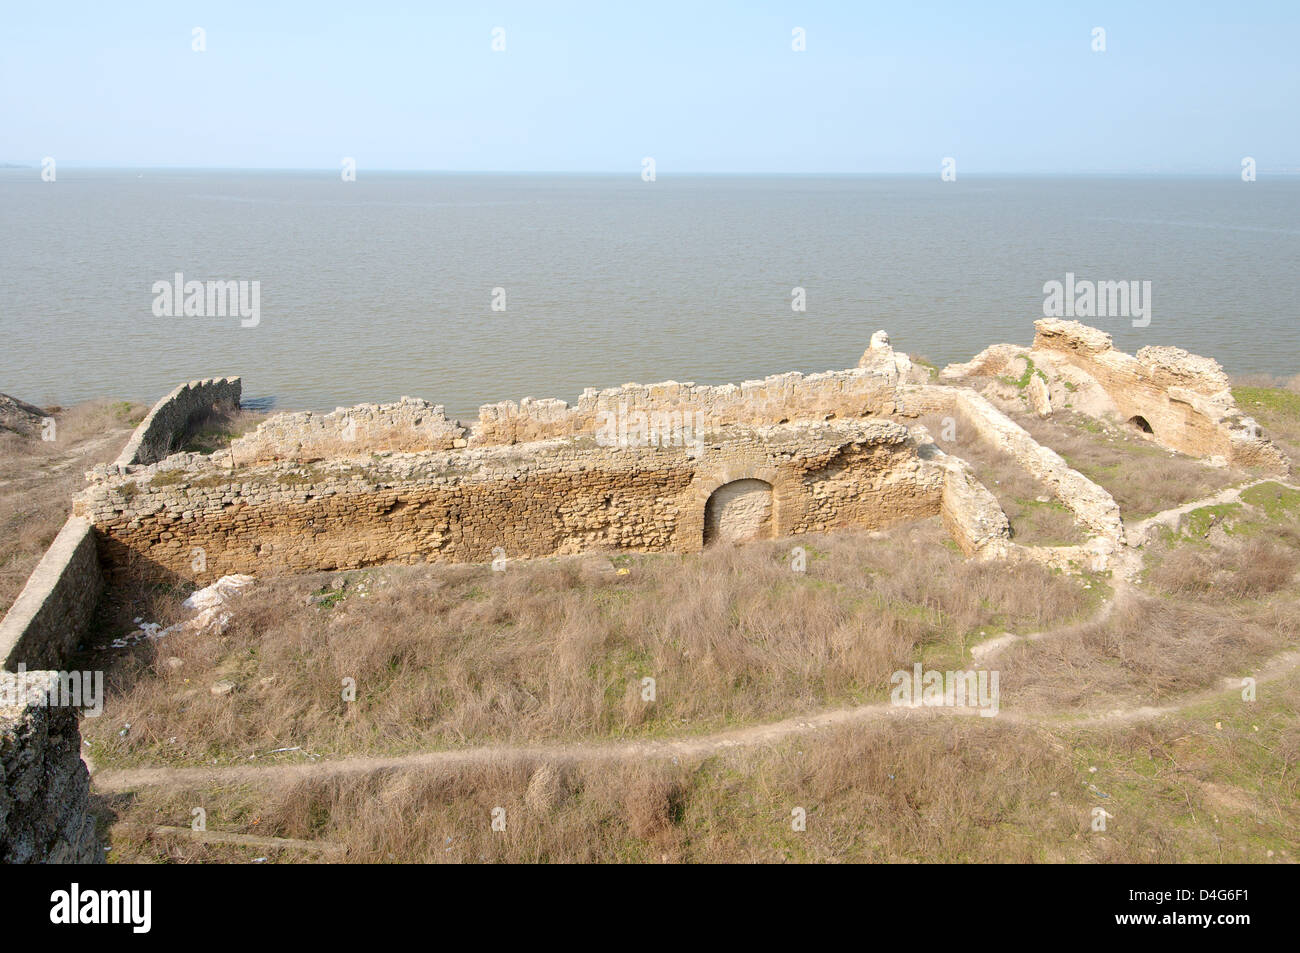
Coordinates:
(448, 656)
(38, 479)
(1240, 570)
(1147, 650)
(1142, 476)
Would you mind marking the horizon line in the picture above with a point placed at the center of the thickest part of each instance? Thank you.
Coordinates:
(1229, 172)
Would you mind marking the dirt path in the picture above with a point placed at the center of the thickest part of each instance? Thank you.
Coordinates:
(694, 748)
(1140, 533)
(1279, 666)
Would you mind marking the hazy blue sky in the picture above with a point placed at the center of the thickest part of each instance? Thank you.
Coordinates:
(701, 87)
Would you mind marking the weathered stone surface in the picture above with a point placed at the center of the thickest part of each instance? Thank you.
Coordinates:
(1039, 397)
(157, 434)
(739, 511)
(47, 619)
(865, 391)
(20, 417)
(408, 425)
(554, 497)
(44, 786)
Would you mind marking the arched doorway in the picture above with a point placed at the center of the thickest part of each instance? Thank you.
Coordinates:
(739, 511)
(1140, 423)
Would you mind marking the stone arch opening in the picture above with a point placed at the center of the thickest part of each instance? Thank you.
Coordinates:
(1140, 423)
(739, 511)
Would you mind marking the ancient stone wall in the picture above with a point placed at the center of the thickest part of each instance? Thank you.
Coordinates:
(1091, 505)
(49, 617)
(46, 621)
(552, 497)
(408, 425)
(159, 432)
(865, 391)
(44, 786)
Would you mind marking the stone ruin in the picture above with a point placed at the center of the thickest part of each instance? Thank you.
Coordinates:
(1183, 401)
(666, 467)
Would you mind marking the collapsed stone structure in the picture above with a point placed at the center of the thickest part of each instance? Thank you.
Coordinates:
(787, 455)
(1183, 401)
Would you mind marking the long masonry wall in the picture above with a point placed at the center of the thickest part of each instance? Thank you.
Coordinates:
(158, 433)
(864, 391)
(549, 498)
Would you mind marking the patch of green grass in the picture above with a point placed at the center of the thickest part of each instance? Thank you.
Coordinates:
(1274, 499)
(328, 597)
(1200, 521)
(210, 439)
(1023, 381)
(930, 367)
(1276, 400)
(125, 412)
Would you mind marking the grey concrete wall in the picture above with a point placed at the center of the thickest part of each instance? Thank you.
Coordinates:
(50, 615)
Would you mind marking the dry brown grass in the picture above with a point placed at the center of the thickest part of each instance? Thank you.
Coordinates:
(450, 656)
(1148, 651)
(926, 789)
(218, 427)
(39, 478)
(1249, 569)
(1214, 608)
(1143, 477)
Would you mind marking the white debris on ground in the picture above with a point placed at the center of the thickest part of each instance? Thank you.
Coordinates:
(212, 617)
(219, 593)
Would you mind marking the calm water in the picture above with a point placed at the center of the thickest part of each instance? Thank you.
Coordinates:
(383, 287)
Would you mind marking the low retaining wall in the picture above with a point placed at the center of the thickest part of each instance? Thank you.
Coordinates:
(46, 622)
(44, 786)
(157, 434)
